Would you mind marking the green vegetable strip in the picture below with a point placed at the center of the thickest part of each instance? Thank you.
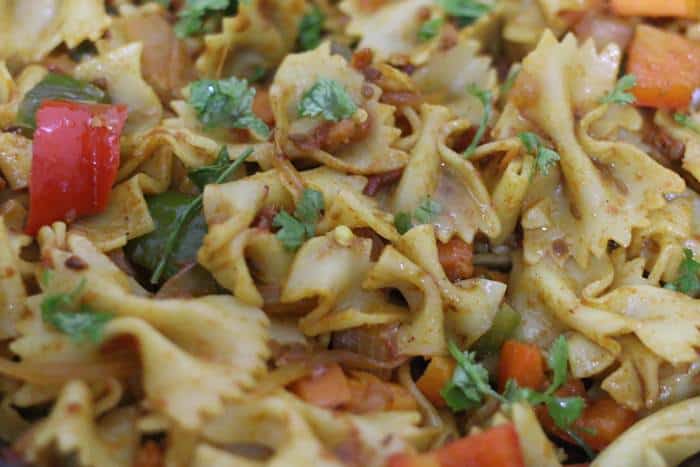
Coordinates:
(61, 87)
(484, 97)
(191, 209)
(504, 325)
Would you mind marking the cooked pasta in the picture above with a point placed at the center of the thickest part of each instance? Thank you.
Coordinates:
(383, 233)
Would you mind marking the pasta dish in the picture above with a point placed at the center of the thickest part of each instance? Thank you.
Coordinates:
(350, 233)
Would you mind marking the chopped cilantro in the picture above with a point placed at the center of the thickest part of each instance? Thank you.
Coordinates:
(311, 29)
(327, 98)
(687, 121)
(544, 156)
(226, 103)
(429, 29)
(484, 97)
(294, 230)
(687, 281)
(207, 174)
(224, 172)
(619, 94)
(78, 321)
(165, 3)
(469, 383)
(426, 211)
(464, 12)
(192, 17)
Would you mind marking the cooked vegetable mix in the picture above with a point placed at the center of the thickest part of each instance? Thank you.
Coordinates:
(379, 233)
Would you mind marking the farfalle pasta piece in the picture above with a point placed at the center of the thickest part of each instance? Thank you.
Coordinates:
(31, 29)
(435, 171)
(12, 291)
(258, 37)
(537, 449)
(121, 70)
(663, 439)
(210, 361)
(509, 194)
(72, 428)
(230, 208)
(390, 30)
(445, 78)
(355, 210)
(332, 267)
(374, 152)
(607, 196)
(470, 304)
(15, 159)
(126, 216)
(298, 432)
(586, 358)
(15, 91)
(424, 333)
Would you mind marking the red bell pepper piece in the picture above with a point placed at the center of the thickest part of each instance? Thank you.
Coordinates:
(497, 447)
(75, 159)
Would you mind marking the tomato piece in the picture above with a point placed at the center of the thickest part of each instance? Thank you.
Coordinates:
(521, 362)
(326, 387)
(75, 158)
(667, 67)
(603, 421)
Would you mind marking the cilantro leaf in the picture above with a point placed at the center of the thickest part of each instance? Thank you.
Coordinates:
(327, 98)
(192, 17)
(165, 3)
(403, 222)
(194, 206)
(619, 95)
(485, 97)
(79, 322)
(426, 211)
(687, 121)
(227, 103)
(558, 361)
(429, 29)
(469, 383)
(311, 29)
(687, 281)
(294, 230)
(544, 156)
(464, 12)
(565, 410)
(207, 174)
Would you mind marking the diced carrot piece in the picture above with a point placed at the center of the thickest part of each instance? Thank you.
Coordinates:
(326, 387)
(436, 375)
(603, 421)
(456, 259)
(497, 447)
(666, 65)
(654, 8)
(520, 362)
(370, 394)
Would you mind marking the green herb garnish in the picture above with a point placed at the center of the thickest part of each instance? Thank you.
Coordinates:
(207, 174)
(426, 211)
(687, 281)
(192, 17)
(619, 94)
(79, 321)
(191, 209)
(311, 29)
(484, 97)
(544, 156)
(429, 29)
(464, 12)
(327, 98)
(294, 230)
(687, 121)
(510, 79)
(227, 103)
